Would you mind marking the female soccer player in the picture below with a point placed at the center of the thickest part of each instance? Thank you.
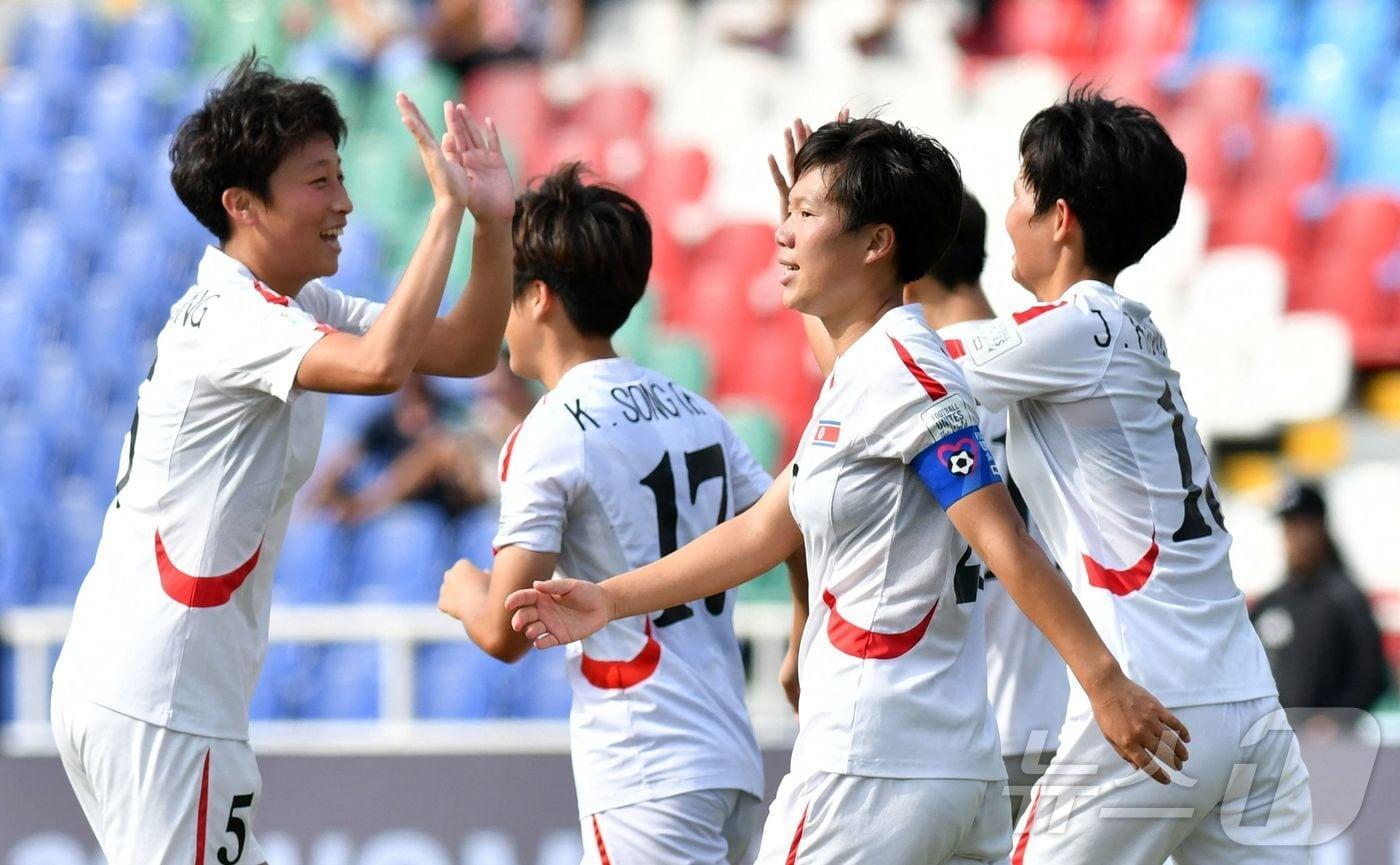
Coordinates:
(151, 692)
(896, 731)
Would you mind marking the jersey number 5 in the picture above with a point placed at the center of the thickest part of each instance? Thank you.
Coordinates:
(700, 466)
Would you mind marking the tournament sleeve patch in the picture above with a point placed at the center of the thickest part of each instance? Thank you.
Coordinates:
(948, 415)
(991, 341)
(956, 465)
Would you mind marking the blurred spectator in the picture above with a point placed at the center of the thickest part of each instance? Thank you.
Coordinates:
(404, 454)
(1317, 628)
(775, 37)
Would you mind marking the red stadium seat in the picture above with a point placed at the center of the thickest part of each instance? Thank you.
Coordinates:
(1226, 94)
(1207, 169)
(673, 176)
(1363, 224)
(512, 96)
(1063, 29)
(615, 110)
(1132, 79)
(567, 144)
(1261, 214)
(1291, 152)
(1141, 30)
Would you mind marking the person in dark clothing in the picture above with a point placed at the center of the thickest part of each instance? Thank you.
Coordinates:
(1322, 641)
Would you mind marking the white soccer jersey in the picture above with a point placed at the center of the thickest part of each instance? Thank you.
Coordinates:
(1027, 681)
(1107, 455)
(170, 625)
(614, 468)
(892, 661)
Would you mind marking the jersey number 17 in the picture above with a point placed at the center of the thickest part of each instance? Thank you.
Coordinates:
(700, 466)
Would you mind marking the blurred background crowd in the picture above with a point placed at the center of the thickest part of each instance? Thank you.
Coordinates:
(1278, 291)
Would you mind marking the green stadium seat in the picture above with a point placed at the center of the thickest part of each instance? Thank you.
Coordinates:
(759, 430)
(683, 359)
(639, 332)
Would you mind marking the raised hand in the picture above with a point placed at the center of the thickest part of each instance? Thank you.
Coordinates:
(556, 612)
(1139, 727)
(793, 139)
(467, 169)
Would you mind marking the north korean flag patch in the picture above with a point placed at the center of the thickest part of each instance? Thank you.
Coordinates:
(827, 434)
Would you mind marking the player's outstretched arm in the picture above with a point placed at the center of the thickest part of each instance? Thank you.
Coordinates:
(467, 341)
(477, 598)
(1133, 721)
(555, 612)
(381, 360)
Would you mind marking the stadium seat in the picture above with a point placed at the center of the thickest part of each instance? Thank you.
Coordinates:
(105, 335)
(361, 270)
(74, 526)
(1063, 29)
(398, 557)
(513, 97)
(43, 268)
(290, 679)
(19, 345)
(1262, 214)
(1331, 87)
(538, 687)
(1207, 168)
(155, 43)
(347, 687)
(16, 560)
(311, 568)
(1363, 511)
(7, 679)
(1254, 31)
(472, 535)
(60, 43)
(61, 401)
(79, 187)
(457, 680)
(571, 143)
(674, 176)
(758, 429)
(228, 30)
(116, 113)
(1292, 153)
(683, 360)
(99, 460)
(29, 120)
(639, 332)
(25, 459)
(1381, 166)
(1309, 362)
(1226, 93)
(615, 110)
(1143, 29)
(1364, 29)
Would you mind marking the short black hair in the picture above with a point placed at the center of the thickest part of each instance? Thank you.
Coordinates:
(883, 172)
(242, 132)
(1116, 168)
(963, 262)
(590, 243)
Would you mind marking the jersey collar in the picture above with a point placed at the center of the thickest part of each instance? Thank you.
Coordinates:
(219, 268)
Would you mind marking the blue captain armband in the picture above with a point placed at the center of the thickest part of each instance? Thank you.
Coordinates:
(956, 465)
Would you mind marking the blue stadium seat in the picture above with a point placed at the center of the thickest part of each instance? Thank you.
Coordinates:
(59, 41)
(539, 686)
(7, 687)
(361, 270)
(61, 401)
(473, 533)
(16, 559)
(74, 527)
(80, 189)
(19, 345)
(1382, 163)
(25, 460)
(1364, 29)
(1257, 32)
(105, 336)
(1328, 86)
(44, 269)
(311, 569)
(348, 685)
(97, 464)
(289, 682)
(458, 680)
(155, 44)
(29, 120)
(116, 112)
(398, 557)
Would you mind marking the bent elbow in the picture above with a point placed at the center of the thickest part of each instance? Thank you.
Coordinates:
(503, 648)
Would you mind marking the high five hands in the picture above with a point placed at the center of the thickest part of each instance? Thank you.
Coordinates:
(467, 168)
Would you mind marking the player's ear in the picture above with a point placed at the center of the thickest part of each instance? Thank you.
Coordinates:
(238, 204)
(539, 299)
(1064, 217)
(881, 243)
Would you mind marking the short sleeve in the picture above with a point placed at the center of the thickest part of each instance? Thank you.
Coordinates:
(1055, 351)
(256, 346)
(748, 478)
(340, 311)
(540, 476)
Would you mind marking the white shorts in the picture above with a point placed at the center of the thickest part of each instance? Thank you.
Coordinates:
(825, 819)
(704, 827)
(1241, 799)
(154, 796)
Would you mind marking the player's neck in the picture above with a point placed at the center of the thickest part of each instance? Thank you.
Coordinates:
(559, 356)
(850, 325)
(1070, 270)
(943, 306)
(261, 268)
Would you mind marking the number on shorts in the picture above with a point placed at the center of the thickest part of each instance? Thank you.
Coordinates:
(237, 828)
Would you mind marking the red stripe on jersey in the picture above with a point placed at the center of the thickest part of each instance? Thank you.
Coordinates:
(857, 642)
(271, 296)
(201, 825)
(623, 674)
(797, 839)
(598, 839)
(510, 446)
(1126, 581)
(1019, 855)
(1036, 311)
(934, 390)
(196, 591)
(955, 348)
(325, 328)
